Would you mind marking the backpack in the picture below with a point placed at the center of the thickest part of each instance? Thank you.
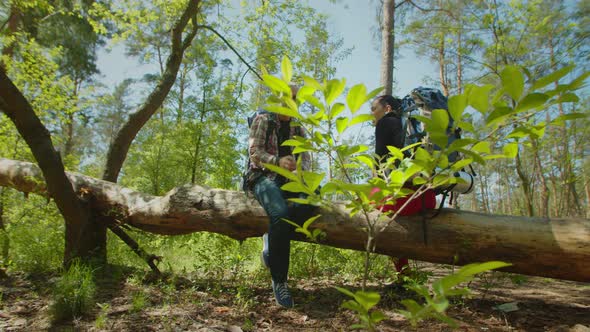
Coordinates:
(422, 101)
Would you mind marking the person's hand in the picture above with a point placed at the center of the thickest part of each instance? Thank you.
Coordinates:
(288, 162)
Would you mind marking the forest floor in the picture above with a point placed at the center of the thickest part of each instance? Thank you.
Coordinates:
(132, 303)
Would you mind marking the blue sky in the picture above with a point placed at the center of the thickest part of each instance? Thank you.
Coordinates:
(353, 20)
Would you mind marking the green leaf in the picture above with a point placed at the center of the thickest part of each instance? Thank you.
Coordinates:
(361, 118)
(441, 305)
(499, 114)
(283, 110)
(341, 124)
(465, 126)
(377, 316)
(481, 147)
(411, 305)
(294, 187)
(366, 160)
(395, 152)
(311, 82)
(334, 89)
(356, 97)
(532, 100)
(461, 163)
(367, 299)
(440, 121)
(457, 105)
(345, 291)
(286, 69)
(329, 188)
(312, 179)
(309, 221)
(292, 142)
(479, 97)
(475, 268)
(568, 98)
(475, 156)
(461, 142)
(301, 149)
(560, 120)
(299, 200)
(578, 83)
(513, 81)
(314, 102)
(553, 77)
(304, 91)
(373, 93)
(354, 306)
(336, 109)
(281, 171)
(519, 132)
(510, 150)
(276, 84)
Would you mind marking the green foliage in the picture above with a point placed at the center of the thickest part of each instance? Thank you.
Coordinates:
(73, 293)
(101, 320)
(437, 300)
(362, 303)
(35, 231)
(426, 168)
(139, 300)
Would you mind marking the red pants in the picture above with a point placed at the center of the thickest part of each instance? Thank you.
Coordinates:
(425, 201)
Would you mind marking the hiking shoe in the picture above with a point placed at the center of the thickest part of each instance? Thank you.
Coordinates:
(264, 257)
(282, 294)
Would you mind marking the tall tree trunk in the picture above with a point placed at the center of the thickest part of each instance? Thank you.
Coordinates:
(387, 45)
(195, 163)
(442, 66)
(544, 197)
(526, 186)
(459, 61)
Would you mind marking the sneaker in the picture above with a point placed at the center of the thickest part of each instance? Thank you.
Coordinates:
(282, 294)
(264, 258)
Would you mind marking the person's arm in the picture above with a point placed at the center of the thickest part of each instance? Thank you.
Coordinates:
(257, 142)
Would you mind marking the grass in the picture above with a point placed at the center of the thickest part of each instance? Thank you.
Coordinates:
(73, 293)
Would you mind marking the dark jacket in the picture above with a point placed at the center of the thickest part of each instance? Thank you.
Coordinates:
(388, 131)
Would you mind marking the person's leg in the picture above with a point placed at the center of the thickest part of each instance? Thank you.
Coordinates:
(270, 196)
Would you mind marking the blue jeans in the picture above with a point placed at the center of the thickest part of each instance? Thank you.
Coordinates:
(274, 201)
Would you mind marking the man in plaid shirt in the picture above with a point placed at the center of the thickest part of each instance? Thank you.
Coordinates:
(266, 186)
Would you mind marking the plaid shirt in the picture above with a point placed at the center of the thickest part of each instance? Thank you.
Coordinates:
(260, 153)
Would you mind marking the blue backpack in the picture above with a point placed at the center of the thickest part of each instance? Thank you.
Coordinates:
(421, 101)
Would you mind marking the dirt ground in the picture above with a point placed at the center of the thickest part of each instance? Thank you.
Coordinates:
(184, 304)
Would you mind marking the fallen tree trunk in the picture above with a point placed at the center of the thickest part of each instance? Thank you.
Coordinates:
(556, 248)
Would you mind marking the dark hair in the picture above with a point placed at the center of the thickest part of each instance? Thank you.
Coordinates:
(395, 103)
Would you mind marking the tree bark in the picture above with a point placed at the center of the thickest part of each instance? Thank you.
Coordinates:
(555, 248)
(387, 45)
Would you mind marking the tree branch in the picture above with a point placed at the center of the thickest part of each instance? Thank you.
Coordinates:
(231, 47)
(119, 148)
